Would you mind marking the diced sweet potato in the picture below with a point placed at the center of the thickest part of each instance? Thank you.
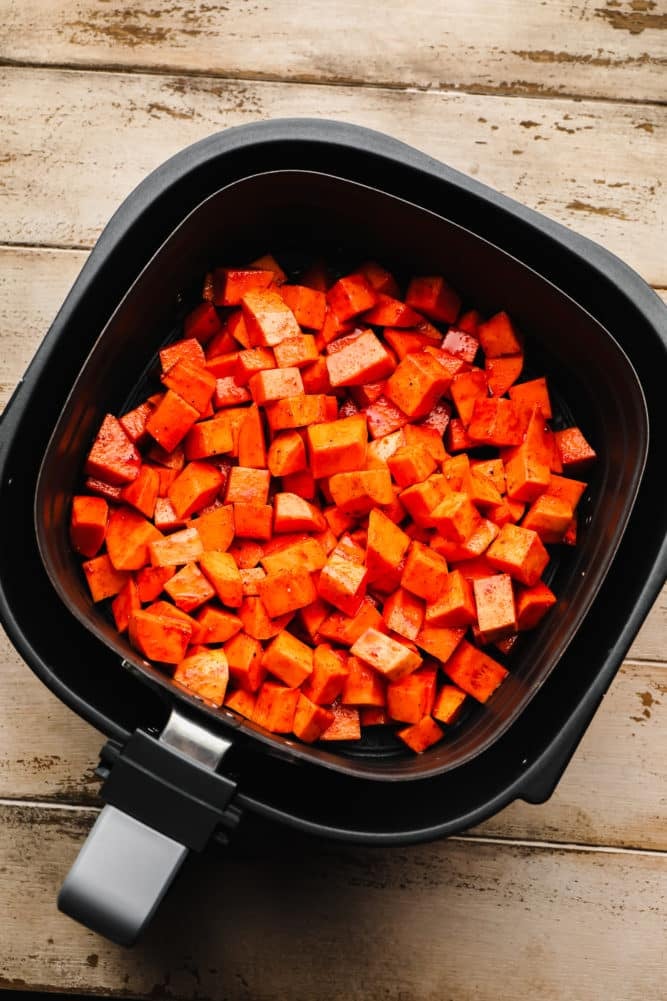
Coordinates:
(416, 385)
(403, 613)
(392, 659)
(215, 625)
(88, 524)
(518, 552)
(532, 603)
(308, 305)
(206, 674)
(448, 704)
(222, 572)
(421, 735)
(496, 611)
(287, 591)
(365, 359)
(343, 584)
(241, 702)
(267, 318)
(350, 296)
(275, 707)
(244, 656)
(159, 637)
(498, 336)
(310, 720)
(411, 698)
(288, 659)
(455, 605)
(432, 296)
(575, 452)
(189, 588)
(475, 672)
(297, 412)
(345, 725)
(337, 446)
(231, 284)
(127, 538)
(327, 679)
(113, 458)
(292, 513)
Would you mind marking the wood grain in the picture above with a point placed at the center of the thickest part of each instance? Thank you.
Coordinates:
(605, 49)
(284, 916)
(74, 144)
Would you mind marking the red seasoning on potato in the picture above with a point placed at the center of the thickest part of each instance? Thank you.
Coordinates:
(335, 509)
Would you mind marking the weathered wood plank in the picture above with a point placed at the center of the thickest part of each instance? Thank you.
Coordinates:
(614, 792)
(74, 144)
(510, 46)
(284, 916)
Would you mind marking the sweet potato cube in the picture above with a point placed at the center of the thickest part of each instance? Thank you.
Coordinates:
(548, 516)
(392, 659)
(88, 524)
(531, 394)
(247, 554)
(297, 412)
(288, 659)
(287, 453)
(202, 323)
(252, 361)
(241, 702)
(310, 720)
(502, 373)
(191, 382)
(151, 581)
(215, 625)
(358, 492)
(422, 499)
(188, 349)
(103, 580)
(159, 637)
(343, 584)
(113, 457)
(134, 422)
(206, 674)
(142, 493)
(386, 544)
(228, 393)
(346, 629)
(100, 489)
(189, 588)
(498, 336)
(383, 417)
(251, 579)
(127, 537)
(267, 262)
(432, 296)
(346, 724)
(216, 528)
(495, 422)
(532, 603)
(403, 613)
(327, 679)
(171, 420)
(417, 384)
(315, 376)
(275, 384)
(350, 296)
(297, 352)
(268, 319)
(575, 452)
(373, 716)
(208, 438)
(567, 489)
(365, 359)
(411, 464)
(287, 591)
(363, 685)
(460, 344)
(223, 573)
(390, 312)
(302, 484)
(526, 474)
(308, 305)
(244, 655)
(253, 521)
(421, 735)
(195, 488)
(456, 517)
(496, 611)
(312, 617)
(465, 389)
(455, 605)
(439, 641)
(275, 707)
(180, 548)
(164, 516)
(125, 604)
(292, 513)
(231, 284)
(411, 698)
(247, 486)
(519, 552)
(308, 554)
(337, 446)
(424, 572)
(475, 672)
(448, 704)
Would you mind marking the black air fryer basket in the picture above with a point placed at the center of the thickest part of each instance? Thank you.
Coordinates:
(177, 772)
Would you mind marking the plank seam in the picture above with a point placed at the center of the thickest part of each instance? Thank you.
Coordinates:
(537, 94)
(532, 843)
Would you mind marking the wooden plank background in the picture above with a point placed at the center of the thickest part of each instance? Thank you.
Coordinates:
(561, 105)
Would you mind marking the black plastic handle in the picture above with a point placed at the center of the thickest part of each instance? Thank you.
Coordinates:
(164, 798)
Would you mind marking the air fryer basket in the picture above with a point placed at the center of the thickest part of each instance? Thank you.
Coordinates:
(287, 212)
(165, 780)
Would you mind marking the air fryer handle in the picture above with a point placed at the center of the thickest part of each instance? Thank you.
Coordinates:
(120, 876)
(547, 770)
(163, 799)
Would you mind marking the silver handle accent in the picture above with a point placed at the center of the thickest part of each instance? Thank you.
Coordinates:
(125, 867)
